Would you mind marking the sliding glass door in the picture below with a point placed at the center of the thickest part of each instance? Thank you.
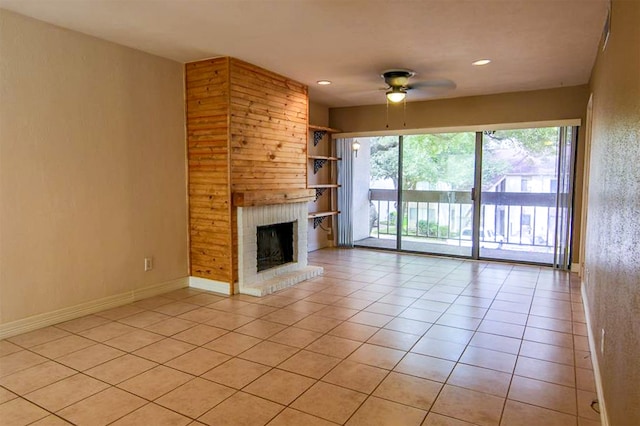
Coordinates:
(433, 213)
(518, 201)
(436, 207)
(498, 195)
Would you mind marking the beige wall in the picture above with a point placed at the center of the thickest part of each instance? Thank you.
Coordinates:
(92, 169)
(318, 114)
(613, 225)
(481, 112)
(518, 107)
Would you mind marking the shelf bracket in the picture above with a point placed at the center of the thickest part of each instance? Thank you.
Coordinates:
(319, 192)
(317, 164)
(317, 221)
(317, 136)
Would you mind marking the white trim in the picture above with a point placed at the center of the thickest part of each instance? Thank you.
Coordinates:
(209, 285)
(457, 129)
(166, 287)
(604, 419)
(72, 312)
(586, 175)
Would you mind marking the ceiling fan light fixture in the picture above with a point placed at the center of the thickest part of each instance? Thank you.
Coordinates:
(323, 82)
(396, 94)
(481, 62)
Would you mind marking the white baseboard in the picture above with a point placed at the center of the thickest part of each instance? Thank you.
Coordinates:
(575, 267)
(604, 419)
(72, 312)
(210, 285)
(161, 288)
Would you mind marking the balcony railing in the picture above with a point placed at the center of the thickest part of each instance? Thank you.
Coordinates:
(511, 218)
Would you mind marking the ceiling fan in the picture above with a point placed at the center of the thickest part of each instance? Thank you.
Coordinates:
(398, 83)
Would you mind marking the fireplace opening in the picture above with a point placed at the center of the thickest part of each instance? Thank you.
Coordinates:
(275, 245)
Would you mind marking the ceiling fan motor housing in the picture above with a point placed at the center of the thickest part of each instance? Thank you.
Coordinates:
(397, 78)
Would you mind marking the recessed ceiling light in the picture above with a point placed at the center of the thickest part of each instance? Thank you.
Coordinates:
(323, 82)
(481, 62)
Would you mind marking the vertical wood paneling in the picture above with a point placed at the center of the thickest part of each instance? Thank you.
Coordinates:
(247, 131)
(268, 130)
(207, 97)
(269, 119)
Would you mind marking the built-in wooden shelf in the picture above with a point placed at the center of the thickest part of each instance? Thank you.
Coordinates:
(320, 189)
(323, 129)
(318, 217)
(320, 160)
(322, 214)
(319, 132)
(324, 185)
(321, 157)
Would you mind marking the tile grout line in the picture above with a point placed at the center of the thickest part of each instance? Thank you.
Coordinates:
(392, 289)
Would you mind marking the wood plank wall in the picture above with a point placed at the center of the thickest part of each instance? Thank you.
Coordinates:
(247, 131)
(269, 121)
(207, 91)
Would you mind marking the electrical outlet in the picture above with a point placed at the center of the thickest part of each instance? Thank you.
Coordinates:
(602, 343)
(148, 264)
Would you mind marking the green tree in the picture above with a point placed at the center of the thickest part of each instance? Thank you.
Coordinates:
(536, 142)
(449, 157)
(431, 158)
(384, 159)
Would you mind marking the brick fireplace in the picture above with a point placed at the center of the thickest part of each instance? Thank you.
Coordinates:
(247, 134)
(249, 219)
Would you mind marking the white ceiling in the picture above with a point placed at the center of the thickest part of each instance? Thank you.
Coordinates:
(534, 44)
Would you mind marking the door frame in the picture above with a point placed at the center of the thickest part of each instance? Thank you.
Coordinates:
(476, 197)
(586, 173)
(476, 192)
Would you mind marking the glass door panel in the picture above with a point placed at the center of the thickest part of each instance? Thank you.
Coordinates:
(436, 207)
(375, 192)
(518, 211)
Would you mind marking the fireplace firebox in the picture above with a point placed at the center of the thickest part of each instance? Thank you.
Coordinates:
(275, 245)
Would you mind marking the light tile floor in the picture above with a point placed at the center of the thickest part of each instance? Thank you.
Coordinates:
(380, 339)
